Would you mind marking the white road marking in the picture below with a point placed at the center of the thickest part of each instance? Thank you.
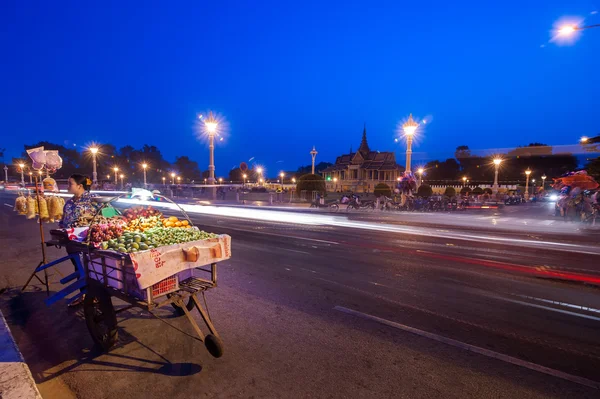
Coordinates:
(475, 349)
(565, 304)
(533, 305)
(293, 250)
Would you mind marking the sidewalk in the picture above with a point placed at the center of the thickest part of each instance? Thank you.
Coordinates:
(16, 381)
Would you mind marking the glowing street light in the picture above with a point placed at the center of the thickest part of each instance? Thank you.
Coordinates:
(122, 177)
(22, 167)
(220, 180)
(244, 176)
(30, 177)
(313, 154)
(94, 151)
(410, 127)
(164, 180)
(172, 178)
(294, 180)
(543, 182)
(259, 171)
(145, 166)
(335, 184)
(178, 179)
(211, 127)
(282, 175)
(116, 170)
(497, 162)
(420, 172)
(584, 139)
(527, 173)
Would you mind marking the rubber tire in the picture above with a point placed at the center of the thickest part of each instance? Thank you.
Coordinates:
(334, 207)
(179, 310)
(99, 298)
(214, 345)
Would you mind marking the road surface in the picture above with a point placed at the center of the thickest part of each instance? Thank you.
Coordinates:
(334, 311)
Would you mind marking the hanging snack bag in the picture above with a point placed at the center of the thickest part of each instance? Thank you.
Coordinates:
(30, 214)
(44, 215)
(50, 185)
(21, 205)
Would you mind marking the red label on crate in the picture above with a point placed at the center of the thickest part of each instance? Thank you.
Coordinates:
(156, 257)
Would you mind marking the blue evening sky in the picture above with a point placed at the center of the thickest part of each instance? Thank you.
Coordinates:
(287, 75)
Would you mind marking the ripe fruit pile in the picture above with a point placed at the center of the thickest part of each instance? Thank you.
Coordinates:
(172, 221)
(142, 223)
(105, 232)
(169, 236)
(130, 242)
(140, 211)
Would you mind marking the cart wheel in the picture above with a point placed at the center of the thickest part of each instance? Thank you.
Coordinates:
(100, 317)
(179, 310)
(214, 345)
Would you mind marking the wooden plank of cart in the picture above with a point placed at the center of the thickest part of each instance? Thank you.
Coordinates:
(110, 274)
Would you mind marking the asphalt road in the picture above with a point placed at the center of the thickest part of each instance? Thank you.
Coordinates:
(336, 311)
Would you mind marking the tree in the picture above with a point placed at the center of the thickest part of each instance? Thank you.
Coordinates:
(465, 190)
(187, 169)
(593, 168)
(424, 191)
(308, 168)
(450, 192)
(477, 191)
(462, 151)
(310, 182)
(488, 190)
(382, 189)
(236, 175)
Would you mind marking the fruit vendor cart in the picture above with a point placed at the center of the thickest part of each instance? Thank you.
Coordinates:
(162, 276)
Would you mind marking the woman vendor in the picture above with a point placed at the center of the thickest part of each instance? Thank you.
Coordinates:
(80, 204)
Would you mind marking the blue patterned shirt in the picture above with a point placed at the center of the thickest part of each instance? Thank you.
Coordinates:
(74, 208)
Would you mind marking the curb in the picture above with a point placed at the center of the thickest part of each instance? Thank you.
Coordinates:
(16, 381)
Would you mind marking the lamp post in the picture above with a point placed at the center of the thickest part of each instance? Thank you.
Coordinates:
(116, 170)
(497, 162)
(464, 179)
(145, 166)
(172, 178)
(544, 182)
(94, 151)
(30, 177)
(178, 179)
(122, 177)
(533, 187)
(5, 174)
(220, 180)
(313, 154)
(409, 130)
(259, 170)
(334, 184)
(527, 173)
(22, 166)
(281, 175)
(164, 179)
(420, 172)
(244, 176)
(211, 127)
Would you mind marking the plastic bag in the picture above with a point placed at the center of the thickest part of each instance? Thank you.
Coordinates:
(21, 205)
(50, 185)
(38, 156)
(53, 160)
(59, 208)
(43, 209)
(30, 214)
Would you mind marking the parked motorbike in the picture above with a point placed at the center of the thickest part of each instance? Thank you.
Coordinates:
(356, 203)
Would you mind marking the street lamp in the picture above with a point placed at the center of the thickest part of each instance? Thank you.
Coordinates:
(294, 180)
(335, 184)
(497, 162)
(145, 166)
(22, 166)
(164, 181)
(178, 179)
(282, 175)
(420, 172)
(116, 170)
(211, 127)
(220, 180)
(313, 154)
(30, 177)
(410, 128)
(5, 174)
(94, 151)
(244, 176)
(122, 177)
(259, 170)
(108, 176)
(527, 173)
(464, 179)
(543, 182)
(172, 178)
